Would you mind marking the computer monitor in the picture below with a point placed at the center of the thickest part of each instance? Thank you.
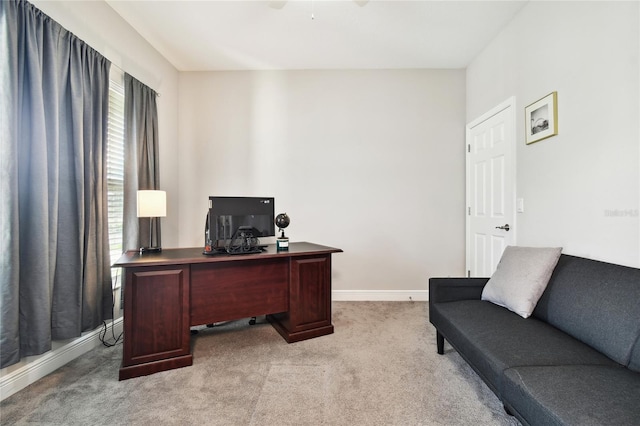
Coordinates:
(235, 224)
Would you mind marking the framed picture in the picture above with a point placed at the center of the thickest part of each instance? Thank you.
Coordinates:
(541, 118)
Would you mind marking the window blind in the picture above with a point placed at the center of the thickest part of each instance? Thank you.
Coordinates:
(115, 164)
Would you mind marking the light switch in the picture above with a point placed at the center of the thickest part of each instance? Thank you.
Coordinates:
(520, 205)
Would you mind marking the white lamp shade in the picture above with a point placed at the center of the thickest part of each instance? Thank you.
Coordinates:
(152, 203)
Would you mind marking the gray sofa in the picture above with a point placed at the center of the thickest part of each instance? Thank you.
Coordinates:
(575, 361)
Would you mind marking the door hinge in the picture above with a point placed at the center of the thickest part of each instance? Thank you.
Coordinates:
(469, 211)
(468, 147)
(468, 274)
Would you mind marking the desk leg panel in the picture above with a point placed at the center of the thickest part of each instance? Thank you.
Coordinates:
(156, 319)
(309, 312)
(292, 337)
(129, 372)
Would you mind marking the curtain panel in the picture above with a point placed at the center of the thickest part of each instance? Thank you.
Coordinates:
(56, 276)
(141, 160)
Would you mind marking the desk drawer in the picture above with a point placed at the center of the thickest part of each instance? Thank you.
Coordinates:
(223, 291)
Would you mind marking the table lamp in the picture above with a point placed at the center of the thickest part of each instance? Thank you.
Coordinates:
(151, 204)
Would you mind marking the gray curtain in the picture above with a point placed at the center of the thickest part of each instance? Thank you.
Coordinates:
(141, 169)
(55, 272)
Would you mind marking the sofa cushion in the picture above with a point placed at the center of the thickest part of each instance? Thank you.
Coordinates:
(634, 363)
(595, 302)
(492, 339)
(521, 277)
(573, 395)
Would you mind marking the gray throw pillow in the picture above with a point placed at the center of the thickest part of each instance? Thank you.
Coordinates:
(521, 277)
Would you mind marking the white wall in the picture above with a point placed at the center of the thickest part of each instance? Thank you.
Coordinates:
(581, 189)
(371, 162)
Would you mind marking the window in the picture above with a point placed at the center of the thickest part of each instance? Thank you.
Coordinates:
(115, 163)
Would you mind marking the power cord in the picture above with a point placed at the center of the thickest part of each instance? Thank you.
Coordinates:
(243, 241)
(103, 333)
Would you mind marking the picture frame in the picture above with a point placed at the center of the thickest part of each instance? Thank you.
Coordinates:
(541, 119)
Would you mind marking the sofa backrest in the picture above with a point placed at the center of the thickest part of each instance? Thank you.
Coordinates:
(597, 303)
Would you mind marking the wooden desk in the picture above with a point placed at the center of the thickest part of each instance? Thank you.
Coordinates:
(168, 292)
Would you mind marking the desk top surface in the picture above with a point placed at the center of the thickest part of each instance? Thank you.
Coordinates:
(176, 256)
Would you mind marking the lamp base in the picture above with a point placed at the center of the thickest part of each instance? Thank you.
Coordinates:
(150, 250)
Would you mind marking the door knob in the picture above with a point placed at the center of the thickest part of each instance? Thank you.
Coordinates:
(505, 227)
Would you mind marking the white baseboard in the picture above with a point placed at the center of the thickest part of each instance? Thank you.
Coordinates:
(37, 367)
(380, 295)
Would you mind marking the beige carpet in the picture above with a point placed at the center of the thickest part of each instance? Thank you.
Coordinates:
(380, 367)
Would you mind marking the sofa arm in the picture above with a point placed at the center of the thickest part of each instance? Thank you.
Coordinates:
(452, 289)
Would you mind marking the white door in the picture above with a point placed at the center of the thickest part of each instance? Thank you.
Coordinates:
(490, 188)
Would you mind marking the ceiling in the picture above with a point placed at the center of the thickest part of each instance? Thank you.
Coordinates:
(317, 34)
